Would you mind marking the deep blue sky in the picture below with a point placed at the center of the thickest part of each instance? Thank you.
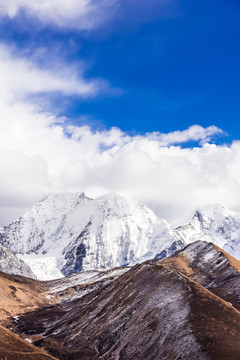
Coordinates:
(171, 72)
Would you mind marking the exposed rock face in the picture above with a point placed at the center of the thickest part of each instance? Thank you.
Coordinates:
(10, 264)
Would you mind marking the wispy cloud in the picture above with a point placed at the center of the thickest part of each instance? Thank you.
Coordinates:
(88, 14)
(193, 133)
(22, 75)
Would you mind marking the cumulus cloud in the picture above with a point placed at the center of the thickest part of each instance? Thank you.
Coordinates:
(88, 14)
(40, 152)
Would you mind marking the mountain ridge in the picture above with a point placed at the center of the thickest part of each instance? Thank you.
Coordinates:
(70, 232)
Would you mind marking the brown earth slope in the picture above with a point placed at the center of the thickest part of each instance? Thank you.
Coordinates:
(178, 309)
(19, 295)
(150, 312)
(14, 348)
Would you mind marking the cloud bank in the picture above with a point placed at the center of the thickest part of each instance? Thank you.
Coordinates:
(39, 155)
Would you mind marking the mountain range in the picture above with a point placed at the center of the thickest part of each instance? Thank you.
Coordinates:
(70, 232)
(120, 283)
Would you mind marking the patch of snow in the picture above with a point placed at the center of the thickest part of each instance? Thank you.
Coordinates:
(83, 278)
(44, 268)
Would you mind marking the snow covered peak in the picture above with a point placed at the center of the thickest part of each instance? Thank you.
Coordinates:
(214, 212)
(61, 200)
(213, 223)
(119, 205)
(72, 232)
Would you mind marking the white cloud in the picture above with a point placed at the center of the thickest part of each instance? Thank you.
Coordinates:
(40, 153)
(21, 76)
(194, 133)
(88, 14)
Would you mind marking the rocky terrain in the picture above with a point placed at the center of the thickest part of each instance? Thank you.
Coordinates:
(184, 307)
(211, 267)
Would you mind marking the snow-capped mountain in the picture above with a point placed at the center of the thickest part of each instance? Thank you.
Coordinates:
(216, 224)
(67, 233)
(70, 232)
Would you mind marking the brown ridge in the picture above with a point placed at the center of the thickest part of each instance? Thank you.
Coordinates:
(235, 263)
(19, 295)
(12, 347)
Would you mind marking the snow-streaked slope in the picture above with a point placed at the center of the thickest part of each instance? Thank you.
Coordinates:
(10, 264)
(150, 312)
(78, 285)
(78, 233)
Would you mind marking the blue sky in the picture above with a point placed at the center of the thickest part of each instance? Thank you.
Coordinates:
(138, 97)
(172, 69)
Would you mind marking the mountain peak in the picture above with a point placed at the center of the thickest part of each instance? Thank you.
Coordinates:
(71, 232)
(214, 210)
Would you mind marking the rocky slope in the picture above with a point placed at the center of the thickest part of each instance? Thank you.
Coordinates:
(184, 307)
(10, 264)
(211, 267)
(156, 310)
